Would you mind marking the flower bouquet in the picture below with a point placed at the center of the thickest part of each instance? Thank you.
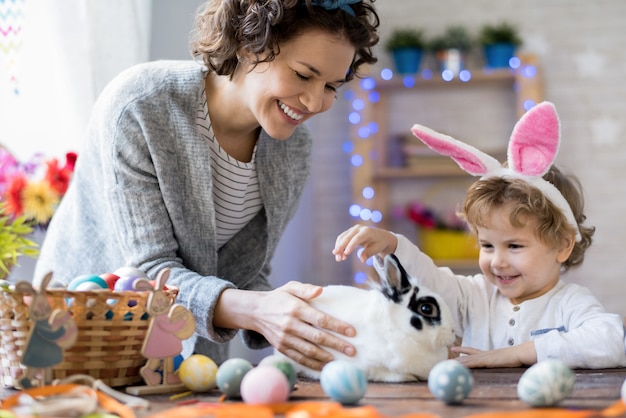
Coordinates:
(29, 195)
(442, 236)
(33, 189)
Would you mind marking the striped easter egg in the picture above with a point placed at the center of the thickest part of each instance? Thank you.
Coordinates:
(343, 381)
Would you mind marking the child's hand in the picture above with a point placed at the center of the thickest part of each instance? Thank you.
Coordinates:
(373, 240)
(516, 356)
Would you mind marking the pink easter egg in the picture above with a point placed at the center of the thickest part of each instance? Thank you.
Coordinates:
(264, 385)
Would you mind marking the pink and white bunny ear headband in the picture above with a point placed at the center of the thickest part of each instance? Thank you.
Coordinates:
(532, 149)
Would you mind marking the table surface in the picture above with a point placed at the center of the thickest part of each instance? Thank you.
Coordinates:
(494, 390)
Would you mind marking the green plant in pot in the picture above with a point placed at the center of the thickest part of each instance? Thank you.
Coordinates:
(14, 241)
(451, 47)
(406, 46)
(500, 42)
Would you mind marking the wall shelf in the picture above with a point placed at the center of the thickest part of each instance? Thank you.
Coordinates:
(372, 145)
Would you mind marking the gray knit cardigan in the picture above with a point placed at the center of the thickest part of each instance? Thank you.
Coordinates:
(142, 196)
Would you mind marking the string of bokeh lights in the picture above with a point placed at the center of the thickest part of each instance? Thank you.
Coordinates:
(367, 128)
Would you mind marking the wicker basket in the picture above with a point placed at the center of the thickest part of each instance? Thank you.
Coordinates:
(110, 334)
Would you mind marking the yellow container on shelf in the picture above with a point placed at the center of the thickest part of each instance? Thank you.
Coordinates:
(445, 244)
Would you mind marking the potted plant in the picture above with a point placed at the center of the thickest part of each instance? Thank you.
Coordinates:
(451, 47)
(442, 235)
(499, 42)
(406, 46)
(14, 241)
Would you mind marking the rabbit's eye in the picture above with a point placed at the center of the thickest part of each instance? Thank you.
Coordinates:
(429, 310)
(426, 307)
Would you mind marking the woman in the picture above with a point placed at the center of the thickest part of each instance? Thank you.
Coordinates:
(199, 168)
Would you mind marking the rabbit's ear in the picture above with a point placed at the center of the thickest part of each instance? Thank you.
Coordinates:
(45, 282)
(162, 278)
(466, 156)
(535, 140)
(394, 280)
(25, 287)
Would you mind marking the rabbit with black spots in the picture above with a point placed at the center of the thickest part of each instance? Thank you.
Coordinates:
(402, 330)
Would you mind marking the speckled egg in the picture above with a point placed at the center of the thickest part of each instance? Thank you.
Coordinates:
(230, 374)
(546, 383)
(198, 372)
(343, 381)
(264, 385)
(450, 381)
(282, 364)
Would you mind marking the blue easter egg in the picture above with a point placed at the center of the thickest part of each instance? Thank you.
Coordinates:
(450, 381)
(343, 381)
(546, 383)
(87, 282)
(230, 374)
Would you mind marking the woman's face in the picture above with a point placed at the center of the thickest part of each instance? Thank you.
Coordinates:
(300, 82)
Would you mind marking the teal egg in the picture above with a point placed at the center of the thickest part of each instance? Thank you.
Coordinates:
(546, 383)
(450, 381)
(230, 374)
(343, 381)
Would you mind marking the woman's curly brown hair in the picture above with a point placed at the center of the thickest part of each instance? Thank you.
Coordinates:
(224, 29)
(529, 203)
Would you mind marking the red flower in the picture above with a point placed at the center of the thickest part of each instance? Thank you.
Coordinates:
(59, 178)
(70, 161)
(14, 195)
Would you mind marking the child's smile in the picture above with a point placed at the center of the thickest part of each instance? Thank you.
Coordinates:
(514, 260)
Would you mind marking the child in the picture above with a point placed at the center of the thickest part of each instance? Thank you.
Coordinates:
(528, 221)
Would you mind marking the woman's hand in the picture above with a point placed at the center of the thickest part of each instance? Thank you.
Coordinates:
(284, 317)
(373, 240)
(516, 356)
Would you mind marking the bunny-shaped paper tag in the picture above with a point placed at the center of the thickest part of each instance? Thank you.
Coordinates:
(169, 325)
(532, 149)
(51, 332)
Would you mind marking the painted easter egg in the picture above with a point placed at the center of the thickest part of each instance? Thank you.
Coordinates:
(264, 385)
(546, 383)
(131, 283)
(343, 381)
(450, 381)
(110, 279)
(282, 364)
(87, 282)
(230, 374)
(197, 372)
(130, 272)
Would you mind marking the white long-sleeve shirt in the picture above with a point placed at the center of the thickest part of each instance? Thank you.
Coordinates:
(567, 323)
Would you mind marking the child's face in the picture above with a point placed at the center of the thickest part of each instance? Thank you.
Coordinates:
(516, 261)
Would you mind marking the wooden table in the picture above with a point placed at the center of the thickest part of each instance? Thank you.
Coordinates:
(494, 390)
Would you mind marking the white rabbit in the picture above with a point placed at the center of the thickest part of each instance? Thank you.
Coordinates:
(402, 330)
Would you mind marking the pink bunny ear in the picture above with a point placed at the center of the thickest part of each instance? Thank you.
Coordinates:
(467, 157)
(535, 140)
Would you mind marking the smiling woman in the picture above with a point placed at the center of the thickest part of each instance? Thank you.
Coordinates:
(198, 166)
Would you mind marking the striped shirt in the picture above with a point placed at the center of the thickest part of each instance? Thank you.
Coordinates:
(236, 192)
